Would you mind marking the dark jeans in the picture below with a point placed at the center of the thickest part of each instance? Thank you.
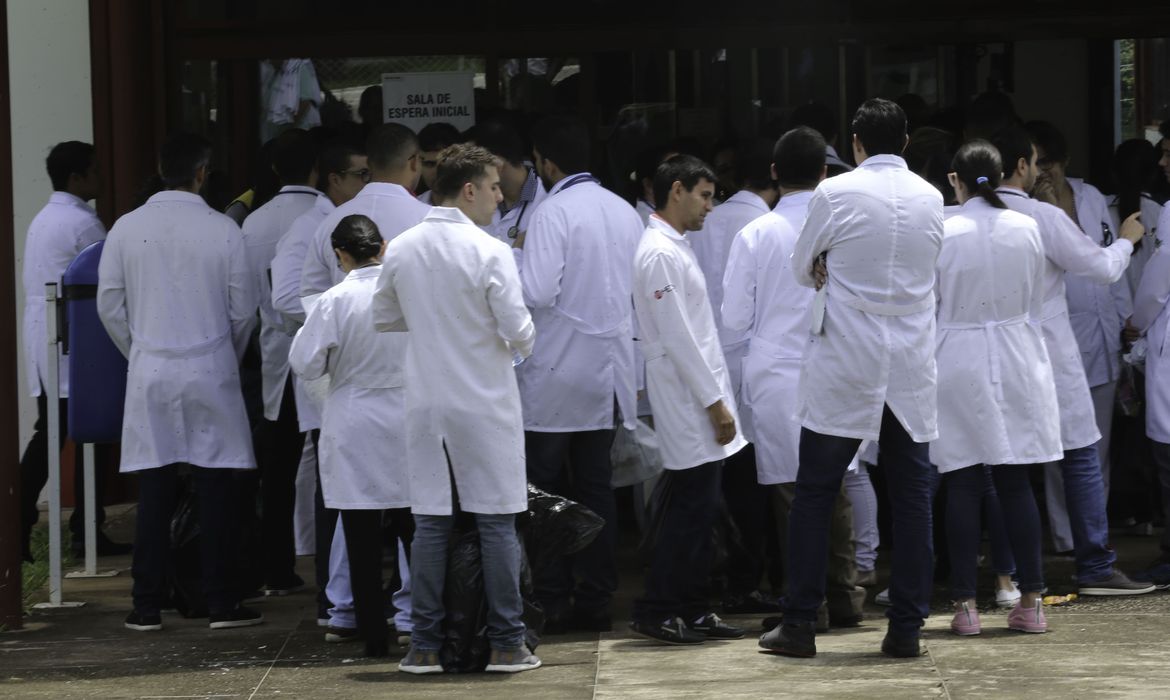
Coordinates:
(363, 544)
(158, 492)
(748, 505)
(681, 559)
(823, 461)
(577, 466)
(34, 474)
(1161, 455)
(966, 489)
(324, 522)
(281, 447)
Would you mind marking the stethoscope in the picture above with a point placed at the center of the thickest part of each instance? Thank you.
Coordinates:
(514, 230)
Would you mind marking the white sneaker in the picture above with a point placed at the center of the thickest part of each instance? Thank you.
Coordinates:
(883, 598)
(1007, 598)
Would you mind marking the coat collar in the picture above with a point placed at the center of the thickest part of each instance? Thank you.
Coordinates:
(298, 189)
(59, 197)
(883, 160)
(176, 196)
(364, 272)
(750, 199)
(384, 189)
(793, 200)
(452, 215)
(658, 223)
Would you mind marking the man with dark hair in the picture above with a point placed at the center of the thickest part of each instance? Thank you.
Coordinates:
(575, 267)
(870, 372)
(457, 291)
(62, 229)
(694, 407)
(644, 170)
(818, 116)
(432, 139)
(746, 500)
(281, 444)
(519, 182)
(175, 296)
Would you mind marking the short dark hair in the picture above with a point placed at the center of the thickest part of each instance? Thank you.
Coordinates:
(753, 164)
(978, 166)
(990, 113)
(438, 135)
(799, 157)
(880, 126)
(334, 159)
(357, 235)
(294, 154)
(1013, 143)
(68, 158)
(502, 140)
(563, 140)
(180, 157)
(458, 165)
(684, 169)
(1048, 139)
(390, 145)
(816, 115)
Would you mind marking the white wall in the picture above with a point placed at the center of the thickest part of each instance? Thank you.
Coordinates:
(49, 75)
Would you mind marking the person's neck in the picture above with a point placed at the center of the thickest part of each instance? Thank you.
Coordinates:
(785, 191)
(306, 183)
(82, 195)
(555, 178)
(517, 188)
(672, 218)
(401, 178)
(1014, 183)
(770, 195)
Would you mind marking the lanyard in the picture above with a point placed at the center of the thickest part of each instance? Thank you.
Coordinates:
(578, 179)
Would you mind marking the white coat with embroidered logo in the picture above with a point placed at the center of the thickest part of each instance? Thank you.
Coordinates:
(685, 369)
(175, 295)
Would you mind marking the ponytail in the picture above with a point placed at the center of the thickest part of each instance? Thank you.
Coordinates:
(978, 166)
(357, 235)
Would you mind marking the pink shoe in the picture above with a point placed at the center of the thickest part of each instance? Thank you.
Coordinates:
(1030, 620)
(966, 623)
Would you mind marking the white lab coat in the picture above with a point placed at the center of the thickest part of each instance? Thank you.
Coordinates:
(520, 215)
(363, 443)
(57, 234)
(392, 207)
(262, 230)
(1152, 213)
(175, 296)
(457, 291)
(575, 268)
(1151, 316)
(882, 227)
(997, 397)
(287, 263)
(685, 370)
(644, 210)
(712, 245)
(1068, 249)
(1097, 311)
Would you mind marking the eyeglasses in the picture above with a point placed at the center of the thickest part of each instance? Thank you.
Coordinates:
(363, 174)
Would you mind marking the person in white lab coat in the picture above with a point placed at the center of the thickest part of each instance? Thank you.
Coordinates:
(457, 291)
(432, 139)
(1070, 252)
(395, 166)
(281, 442)
(519, 183)
(342, 172)
(362, 446)
(868, 372)
(997, 398)
(1135, 167)
(762, 298)
(175, 296)
(747, 500)
(574, 262)
(1097, 312)
(693, 403)
(57, 234)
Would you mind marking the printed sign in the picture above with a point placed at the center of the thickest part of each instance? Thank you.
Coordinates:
(418, 99)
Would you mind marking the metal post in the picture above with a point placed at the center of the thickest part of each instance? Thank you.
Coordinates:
(91, 570)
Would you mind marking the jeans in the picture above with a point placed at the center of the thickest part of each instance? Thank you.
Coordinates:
(577, 466)
(966, 489)
(500, 551)
(1161, 455)
(279, 458)
(1054, 489)
(680, 561)
(823, 461)
(1084, 498)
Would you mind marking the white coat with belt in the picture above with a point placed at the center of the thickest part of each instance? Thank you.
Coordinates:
(882, 227)
(363, 443)
(175, 296)
(685, 370)
(997, 397)
(457, 291)
(57, 234)
(1068, 249)
(575, 267)
(262, 230)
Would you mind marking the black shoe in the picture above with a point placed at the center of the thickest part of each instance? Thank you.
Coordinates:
(105, 547)
(796, 639)
(140, 622)
(240, 617)
(592, 621)
(840, 621)
(284, 587)
(754, 603)
(770, 623)
(901, 647)
(672, 631)
(712, 627)
(253, 596)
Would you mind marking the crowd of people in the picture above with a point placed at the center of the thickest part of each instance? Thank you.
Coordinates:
(443, 318)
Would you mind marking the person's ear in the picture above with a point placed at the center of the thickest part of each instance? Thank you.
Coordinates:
(953, 179)
(774, 175)
(676, 190)
(382, 250)
(1021, 165)
(468, 191)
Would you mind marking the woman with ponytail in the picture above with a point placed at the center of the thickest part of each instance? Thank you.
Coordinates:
(997, 407)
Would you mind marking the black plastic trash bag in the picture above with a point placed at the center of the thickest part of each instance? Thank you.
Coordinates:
(185, 574)
(555, 526)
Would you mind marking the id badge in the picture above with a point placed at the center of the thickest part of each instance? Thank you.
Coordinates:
(818, 311)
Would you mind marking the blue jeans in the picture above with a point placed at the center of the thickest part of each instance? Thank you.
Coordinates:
(1084, 498)
(500, 552)
(823, 461)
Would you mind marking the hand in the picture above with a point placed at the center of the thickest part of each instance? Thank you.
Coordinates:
(1132, 229)
(722, 421)
(519, 241)
(820, 271)
(1045, 191)
(1130, 333)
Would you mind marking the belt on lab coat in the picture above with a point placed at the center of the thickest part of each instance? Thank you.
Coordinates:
(197, 350)
(651, 349)
(622, 327)
(989, 329)
(1053, 308)
(878, 308)
(762, 346)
